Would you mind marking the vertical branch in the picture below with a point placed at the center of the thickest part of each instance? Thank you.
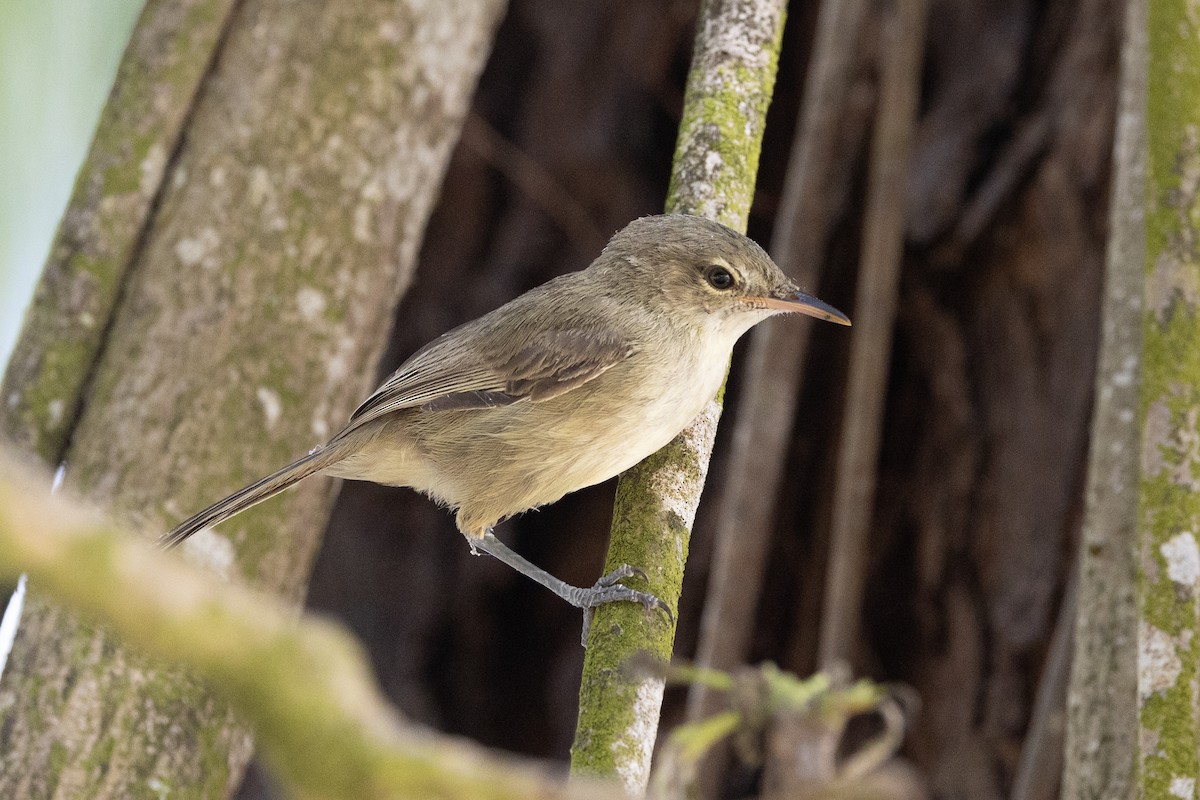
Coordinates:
(812, 194)
(871, 336)
(1169, 413)
(1101, 711)
(716, 160)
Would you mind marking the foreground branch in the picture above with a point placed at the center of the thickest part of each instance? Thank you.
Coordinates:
(304, 686)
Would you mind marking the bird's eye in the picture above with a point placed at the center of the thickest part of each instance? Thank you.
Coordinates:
(719, 278)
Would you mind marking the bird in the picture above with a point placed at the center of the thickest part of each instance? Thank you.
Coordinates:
(563, 387)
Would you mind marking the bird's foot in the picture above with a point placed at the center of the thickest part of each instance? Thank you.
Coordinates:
(609, 589)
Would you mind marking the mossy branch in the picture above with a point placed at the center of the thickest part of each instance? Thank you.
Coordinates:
(303, 685)
(729, 88)
(1168, 632)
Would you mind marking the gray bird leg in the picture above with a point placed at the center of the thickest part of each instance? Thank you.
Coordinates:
(608, 589)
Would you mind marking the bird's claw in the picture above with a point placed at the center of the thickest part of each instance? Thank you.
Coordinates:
(609, 589)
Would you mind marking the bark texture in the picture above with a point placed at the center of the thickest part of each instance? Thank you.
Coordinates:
(1101, 736)
(139, 132)
(248, 324)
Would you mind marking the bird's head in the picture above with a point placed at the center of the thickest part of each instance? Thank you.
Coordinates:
(711, 273)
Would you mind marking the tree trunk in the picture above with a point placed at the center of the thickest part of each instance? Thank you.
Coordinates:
(155, 89)
(249, 314)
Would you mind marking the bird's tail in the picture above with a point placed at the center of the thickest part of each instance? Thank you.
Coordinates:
(256, 492)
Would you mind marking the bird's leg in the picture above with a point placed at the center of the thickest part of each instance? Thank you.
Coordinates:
(608, 589)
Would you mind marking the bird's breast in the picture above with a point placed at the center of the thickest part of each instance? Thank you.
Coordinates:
(606, 426)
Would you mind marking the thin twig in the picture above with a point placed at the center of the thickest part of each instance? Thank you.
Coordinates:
(871, 342)
(1015, 162)
(746, 506)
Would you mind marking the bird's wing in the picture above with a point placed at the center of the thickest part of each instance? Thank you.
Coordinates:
(550, 363)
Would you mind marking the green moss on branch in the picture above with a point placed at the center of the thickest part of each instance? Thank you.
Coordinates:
(716, 161)
(1169, 492)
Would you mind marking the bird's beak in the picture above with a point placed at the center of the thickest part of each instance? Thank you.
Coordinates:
(797, 302)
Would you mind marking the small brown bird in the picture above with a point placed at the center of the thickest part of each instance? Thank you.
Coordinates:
(564, 387)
